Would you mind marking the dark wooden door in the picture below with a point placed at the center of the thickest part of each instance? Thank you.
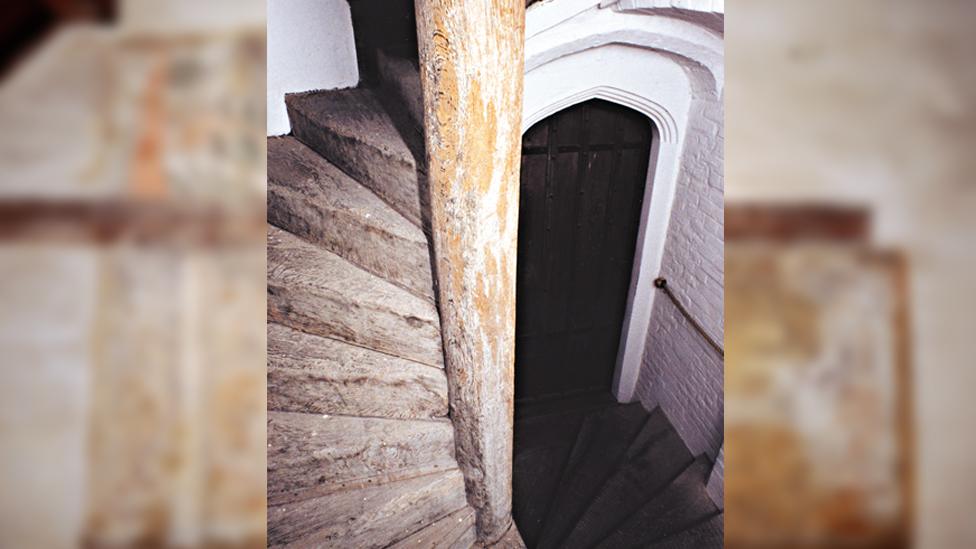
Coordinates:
(584, 171)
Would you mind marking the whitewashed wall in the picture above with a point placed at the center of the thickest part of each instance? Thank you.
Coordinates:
(680, 372)
(310, 47)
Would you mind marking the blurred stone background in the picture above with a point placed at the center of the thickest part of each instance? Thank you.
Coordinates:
(868, 104)
(132, 170)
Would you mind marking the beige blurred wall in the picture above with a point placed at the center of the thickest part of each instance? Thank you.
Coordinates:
(132, 392)
(871, 102)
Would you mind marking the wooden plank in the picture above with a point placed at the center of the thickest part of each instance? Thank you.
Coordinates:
(678, 507)
(351, 129)
(311, 198)
(599, 448)
(447, 533)
(312, 455)
(708, 533)
(308, 373)
(366, 517)
(654, 460)
(573, 287)
(316, 291)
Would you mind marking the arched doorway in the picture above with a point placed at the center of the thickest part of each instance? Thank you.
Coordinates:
(582, 186)
(583, 179)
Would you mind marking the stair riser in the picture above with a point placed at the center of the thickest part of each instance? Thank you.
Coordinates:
(312, 454)
(313, 374)
(599, 449)
(326, 391)
(390, 177)
(373, 517)
(682, 504)
(631, 486)
(707, 534)
(403, 262)
(447, 533)
(403, 80)
(337, 316)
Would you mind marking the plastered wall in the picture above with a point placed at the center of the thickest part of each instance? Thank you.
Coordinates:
(310, 47)
(679, 371)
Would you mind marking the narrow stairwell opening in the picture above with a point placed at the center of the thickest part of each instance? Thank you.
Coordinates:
(588, 471)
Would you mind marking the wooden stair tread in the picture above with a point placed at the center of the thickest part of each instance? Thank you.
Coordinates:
(543, 430)
(536, 473)
(682, 504)
(317, 375)
(311, 455)
(601, 445)
(311, 198)
(708, 534)
(402, 77)
(573, 404)
(315, 291)
(370, 517)
(449, 532)
(544, 439)
(351, 129)
(656, 456)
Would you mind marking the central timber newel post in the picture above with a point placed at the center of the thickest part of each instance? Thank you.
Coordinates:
(471, 59)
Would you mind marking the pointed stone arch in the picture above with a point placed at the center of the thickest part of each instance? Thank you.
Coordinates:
(668, 66)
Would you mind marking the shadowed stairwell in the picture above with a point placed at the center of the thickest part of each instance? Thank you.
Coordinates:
(589, 472)
(360, 446)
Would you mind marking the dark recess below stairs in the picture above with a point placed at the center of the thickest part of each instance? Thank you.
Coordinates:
(589, 472)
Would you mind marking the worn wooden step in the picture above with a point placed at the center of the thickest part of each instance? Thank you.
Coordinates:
(682, 504)
(315, 291)
(511, 539)
(455, 531)
(655, 458)
(317, 375)
(544, 430)
(598, 450)
(311, 198)
(312, 455)
(402, 77)
(366, 516)
(536, 472)
(584, 402)
(542, 447)
(351, 129)
(708, 534)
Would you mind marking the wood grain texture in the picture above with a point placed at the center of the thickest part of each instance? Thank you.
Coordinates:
(708, 533)
(311, 455)
(313, 199)
(679, 506)
(318, 292)
(653, 461)
(583, 178)
(600, 448)
(308, 373)
(450, 532)
(511, 539)
(473, 136)
(351, 129)
(367, 517)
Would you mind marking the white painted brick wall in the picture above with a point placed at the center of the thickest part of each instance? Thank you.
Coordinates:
(680, 372)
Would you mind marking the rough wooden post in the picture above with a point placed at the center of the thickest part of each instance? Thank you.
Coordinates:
(471, 58)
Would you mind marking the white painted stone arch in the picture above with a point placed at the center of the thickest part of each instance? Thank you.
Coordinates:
(665, 125)
(662, 66)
